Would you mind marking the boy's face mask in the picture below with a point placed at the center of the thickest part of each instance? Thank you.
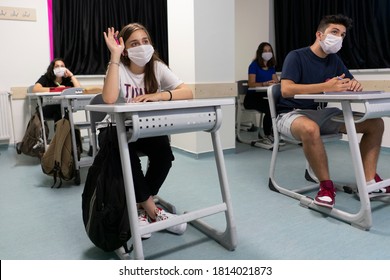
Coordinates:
(331, 44)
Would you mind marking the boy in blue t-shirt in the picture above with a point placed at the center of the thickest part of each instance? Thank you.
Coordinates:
(318, 69)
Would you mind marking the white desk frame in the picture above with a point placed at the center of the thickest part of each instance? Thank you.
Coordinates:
(170, 117)
(43, 98)
(259, 89)
(376, 105)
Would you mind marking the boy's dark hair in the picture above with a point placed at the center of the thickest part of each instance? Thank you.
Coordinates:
(334, 19)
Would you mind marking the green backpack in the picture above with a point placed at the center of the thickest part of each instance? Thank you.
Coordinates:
(58, 160)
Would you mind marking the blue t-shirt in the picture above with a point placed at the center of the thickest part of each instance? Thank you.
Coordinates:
(302, 66)
(261, 74)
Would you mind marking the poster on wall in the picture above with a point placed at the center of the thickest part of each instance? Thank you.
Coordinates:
(16, 13)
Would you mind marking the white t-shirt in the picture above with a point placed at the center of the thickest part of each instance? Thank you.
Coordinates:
(132, 85)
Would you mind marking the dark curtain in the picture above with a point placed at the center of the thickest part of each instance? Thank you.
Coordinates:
(78, 27)
(367, 45)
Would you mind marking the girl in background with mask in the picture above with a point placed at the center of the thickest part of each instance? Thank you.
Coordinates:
(262, 73)
(136, 73)
(57, 75)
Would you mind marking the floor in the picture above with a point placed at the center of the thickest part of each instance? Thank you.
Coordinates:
(37, 222)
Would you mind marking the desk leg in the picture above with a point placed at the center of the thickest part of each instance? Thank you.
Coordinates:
(42, 121)
(29, 107)
(363, 217)
(74, 143)
(228, 238)
(129, 186)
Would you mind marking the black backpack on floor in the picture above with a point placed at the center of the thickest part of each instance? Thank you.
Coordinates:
(104, 207)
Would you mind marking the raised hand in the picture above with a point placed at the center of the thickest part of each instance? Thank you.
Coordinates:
(112, 40)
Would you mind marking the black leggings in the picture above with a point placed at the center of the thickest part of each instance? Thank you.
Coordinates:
(255, 101)
(160, 157)
(52, 112)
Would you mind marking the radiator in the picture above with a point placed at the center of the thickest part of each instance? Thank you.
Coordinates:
(5, 116)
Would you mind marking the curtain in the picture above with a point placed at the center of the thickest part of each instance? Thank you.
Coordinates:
(367, 44)
(78, 28)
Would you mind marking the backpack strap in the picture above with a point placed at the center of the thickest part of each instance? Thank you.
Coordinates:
(63, 129)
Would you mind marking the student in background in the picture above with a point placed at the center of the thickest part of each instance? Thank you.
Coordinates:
(261, 73)
(56, 76)
(316, 69)
(136, 73)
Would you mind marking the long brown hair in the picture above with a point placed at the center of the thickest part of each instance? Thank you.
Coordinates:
(150, 80)
(259, 58)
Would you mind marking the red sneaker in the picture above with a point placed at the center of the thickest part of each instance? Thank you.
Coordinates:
(379, 192)
(325, 197)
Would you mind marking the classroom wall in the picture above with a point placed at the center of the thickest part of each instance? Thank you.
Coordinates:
(211, 44)
(24, 54)
(201, 49)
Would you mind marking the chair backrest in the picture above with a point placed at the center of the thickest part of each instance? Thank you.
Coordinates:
(242, 87)
(72, 91)
(99, 116)
(30, 88)
(274, 93)
(94, 118)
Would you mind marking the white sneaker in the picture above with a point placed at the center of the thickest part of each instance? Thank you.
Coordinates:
(263, 143)
(179, 229)
(143, 221)
(271, 140)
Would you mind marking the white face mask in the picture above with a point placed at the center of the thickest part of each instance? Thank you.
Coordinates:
(140, 55)
(266, 56)
(59, 71)
(331, 44)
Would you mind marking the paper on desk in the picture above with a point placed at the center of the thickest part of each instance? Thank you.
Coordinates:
(92, 90)
(353, 92)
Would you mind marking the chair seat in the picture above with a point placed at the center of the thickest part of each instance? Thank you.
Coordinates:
(356, 116)
(83, 125)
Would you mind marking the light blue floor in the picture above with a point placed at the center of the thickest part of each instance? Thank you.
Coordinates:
(37, 222)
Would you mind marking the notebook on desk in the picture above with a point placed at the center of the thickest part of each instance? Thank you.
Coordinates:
(353, 92)
(58, 89)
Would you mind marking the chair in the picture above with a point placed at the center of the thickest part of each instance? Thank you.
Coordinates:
(95, 118)
(242, 87)
(274, 93)
(39, 106)
(30, 88)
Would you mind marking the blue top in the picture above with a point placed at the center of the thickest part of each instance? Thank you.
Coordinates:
(261, 74)
(302, 66)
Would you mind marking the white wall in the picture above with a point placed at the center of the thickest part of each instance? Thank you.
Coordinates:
(209, 42)
(252, 26)
(201, 50)
(214, 40)
(24, 52)
(182, 39)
